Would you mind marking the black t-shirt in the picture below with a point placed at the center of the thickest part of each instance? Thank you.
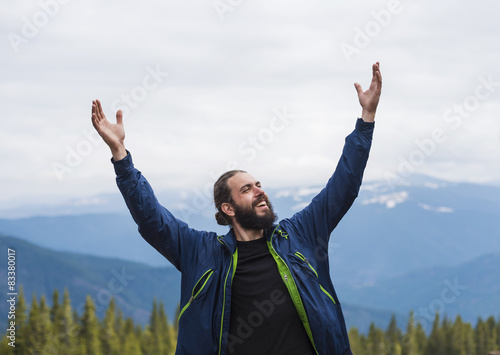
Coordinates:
(263, 317)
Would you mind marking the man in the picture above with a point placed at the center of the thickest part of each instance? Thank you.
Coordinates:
(263, 288)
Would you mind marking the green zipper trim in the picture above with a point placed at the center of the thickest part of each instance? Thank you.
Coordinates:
(292, 289)
(326, 292)
(234, 261)
(321, 287)
(283, 234)
(193, 296)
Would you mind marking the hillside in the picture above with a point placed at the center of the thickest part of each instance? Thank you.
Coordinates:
(133, 285)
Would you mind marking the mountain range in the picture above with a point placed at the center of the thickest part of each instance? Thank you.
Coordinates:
(400, 247)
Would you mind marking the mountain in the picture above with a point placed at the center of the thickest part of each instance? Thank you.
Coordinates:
(392, 229)
(471, 289)
(133, 285)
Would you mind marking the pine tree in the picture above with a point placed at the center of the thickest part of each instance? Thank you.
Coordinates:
(89, 332)
(363, 340)
(458, 341)
(119, 324)
(130, 342)
(354, 339)
(376, 341)
(410, 345)
(67, 328)
(421, 338)
(38, 326)
(54, 310)
(50, 343)
(167, 330)
(146, 340)
(436, 342)
(393, 337)
(481, 338)
(447, 332)
(498, 333)
(470, 344)
(57, 321)
(4, 346)
(109, 338)
(491, 334)
(157, 333)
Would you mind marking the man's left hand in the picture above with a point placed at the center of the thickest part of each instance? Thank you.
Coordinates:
(369, 98)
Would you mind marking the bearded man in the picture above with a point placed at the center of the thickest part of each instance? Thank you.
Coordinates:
(263, 288)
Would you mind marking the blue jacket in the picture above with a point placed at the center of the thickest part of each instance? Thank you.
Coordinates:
(208, 261)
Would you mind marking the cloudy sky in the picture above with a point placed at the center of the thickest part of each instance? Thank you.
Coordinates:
(266, 86)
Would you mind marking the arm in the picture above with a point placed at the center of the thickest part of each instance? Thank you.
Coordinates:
(316, 222)
(167, 234)
(156, 224)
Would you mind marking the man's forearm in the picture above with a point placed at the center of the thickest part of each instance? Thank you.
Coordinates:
(368, 116)
(118, 152)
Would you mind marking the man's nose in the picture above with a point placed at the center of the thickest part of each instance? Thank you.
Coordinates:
(258, 191)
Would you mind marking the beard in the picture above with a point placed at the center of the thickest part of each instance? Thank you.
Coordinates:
(248, 218)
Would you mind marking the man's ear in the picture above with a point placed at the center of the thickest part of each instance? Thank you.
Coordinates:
(228, 209)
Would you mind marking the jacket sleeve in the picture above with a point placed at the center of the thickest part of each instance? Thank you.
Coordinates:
(316, 221)
(156, 224)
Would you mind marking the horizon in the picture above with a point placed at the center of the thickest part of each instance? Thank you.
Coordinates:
(28, 207)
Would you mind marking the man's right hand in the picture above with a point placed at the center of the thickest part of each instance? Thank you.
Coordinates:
(112, 134)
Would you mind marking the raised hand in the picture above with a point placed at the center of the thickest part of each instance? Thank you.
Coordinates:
(369, 98)
(112, 134)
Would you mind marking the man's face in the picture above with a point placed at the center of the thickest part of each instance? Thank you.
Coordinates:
(251, 205)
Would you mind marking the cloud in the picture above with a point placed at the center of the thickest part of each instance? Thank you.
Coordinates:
(227, 77)
(389, 200)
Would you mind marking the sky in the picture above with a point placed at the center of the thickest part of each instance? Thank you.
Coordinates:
(265, 86)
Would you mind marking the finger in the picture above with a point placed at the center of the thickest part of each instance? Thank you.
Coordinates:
(95, 121)
(95, 114)
(119, 117)
(99, 108)
(375, 69)
(358, 88)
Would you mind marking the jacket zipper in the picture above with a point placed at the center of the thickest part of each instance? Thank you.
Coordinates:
(292, 289)
(321, 287)
(206, 276)
(234, 261)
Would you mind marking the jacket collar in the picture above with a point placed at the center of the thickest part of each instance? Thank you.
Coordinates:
(229, 240)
